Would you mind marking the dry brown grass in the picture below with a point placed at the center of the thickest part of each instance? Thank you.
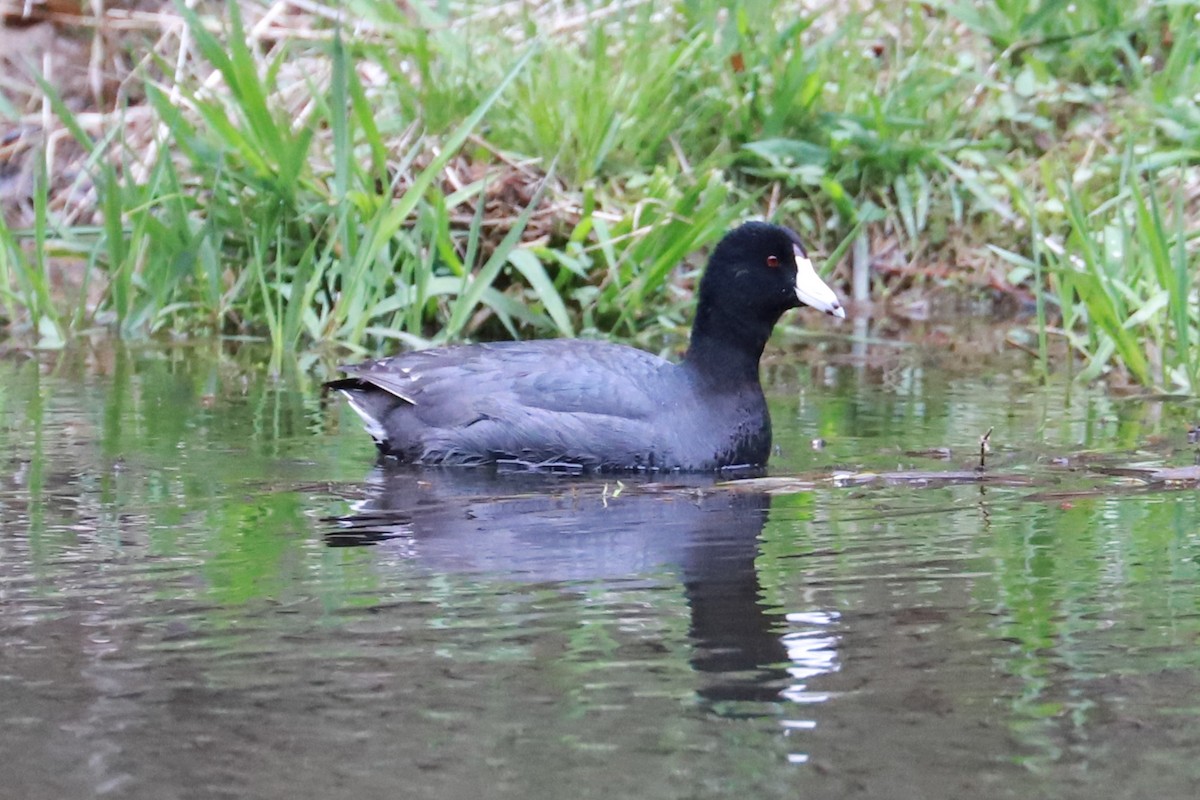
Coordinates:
(95, 54)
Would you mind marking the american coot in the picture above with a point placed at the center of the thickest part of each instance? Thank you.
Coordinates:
(600, 406)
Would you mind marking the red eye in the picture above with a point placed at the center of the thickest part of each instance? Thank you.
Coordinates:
(772, 261)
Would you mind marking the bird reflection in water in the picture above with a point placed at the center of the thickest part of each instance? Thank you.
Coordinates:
(539, 529)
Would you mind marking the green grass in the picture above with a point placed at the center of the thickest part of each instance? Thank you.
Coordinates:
(1126, 277)
(472, 170)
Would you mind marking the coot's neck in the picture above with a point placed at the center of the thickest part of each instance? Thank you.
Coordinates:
(726, 346)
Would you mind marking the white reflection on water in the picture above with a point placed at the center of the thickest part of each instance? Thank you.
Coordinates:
(811, 652)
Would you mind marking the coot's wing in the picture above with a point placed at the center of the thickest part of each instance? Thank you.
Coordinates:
(558, 375)
(557, 400)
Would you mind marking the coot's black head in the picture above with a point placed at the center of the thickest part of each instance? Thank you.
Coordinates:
(758, 271)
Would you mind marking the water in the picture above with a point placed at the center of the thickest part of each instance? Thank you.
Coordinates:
(207, 590)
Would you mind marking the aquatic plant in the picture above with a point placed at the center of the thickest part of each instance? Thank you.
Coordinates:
(360, 172)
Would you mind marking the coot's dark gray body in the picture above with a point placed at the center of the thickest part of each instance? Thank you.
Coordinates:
(601, 406)
(554, 402)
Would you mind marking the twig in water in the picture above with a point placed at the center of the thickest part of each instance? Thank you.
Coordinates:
(983, 448)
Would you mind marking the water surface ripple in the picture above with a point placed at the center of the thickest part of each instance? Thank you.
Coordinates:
(207, 590)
